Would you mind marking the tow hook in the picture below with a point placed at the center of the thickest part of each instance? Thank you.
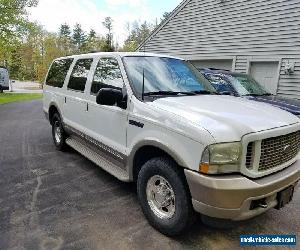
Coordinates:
(261, 203)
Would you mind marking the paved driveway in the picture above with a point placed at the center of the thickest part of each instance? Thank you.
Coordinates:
(54, 200)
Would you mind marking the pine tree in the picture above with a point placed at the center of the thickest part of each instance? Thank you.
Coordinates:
(109, 36)
(92, 34)
(91, 42)
(65, 31)
(79, 37)
(137, 34)
(165, 16)
(65, 39)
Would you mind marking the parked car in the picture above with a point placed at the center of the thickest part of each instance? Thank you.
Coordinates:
(4, 79)
(243, 85)
(155, 120)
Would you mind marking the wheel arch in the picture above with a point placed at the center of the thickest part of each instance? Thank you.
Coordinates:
(147, 149)
(53, 108)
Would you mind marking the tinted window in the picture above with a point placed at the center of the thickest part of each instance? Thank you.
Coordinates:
(220, 83)
(58, 72)
(80, 74)
(246, 85)
(107, 75)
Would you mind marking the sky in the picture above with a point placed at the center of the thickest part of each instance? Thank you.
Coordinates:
(90, 13)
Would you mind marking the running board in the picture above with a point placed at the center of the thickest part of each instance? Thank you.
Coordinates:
(98, 159)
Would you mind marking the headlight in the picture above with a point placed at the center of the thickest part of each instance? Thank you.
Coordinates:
(221, 158)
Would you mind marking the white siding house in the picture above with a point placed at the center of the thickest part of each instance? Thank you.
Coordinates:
(259, 37)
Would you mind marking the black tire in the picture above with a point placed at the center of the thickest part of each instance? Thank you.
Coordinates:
(184, 214)
(60, 144)
(1, 90)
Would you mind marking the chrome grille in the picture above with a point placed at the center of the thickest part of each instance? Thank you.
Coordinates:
(249, 155)
(277, 150)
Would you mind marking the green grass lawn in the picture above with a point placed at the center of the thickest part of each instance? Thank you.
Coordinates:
(14, 97)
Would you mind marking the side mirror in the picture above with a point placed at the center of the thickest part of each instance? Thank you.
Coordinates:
(109, 96)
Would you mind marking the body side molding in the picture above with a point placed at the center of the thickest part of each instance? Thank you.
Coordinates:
(110, 154)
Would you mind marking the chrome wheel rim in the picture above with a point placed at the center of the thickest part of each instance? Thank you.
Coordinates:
(160, 197)
(57, 132)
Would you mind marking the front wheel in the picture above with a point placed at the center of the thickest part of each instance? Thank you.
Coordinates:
(164, 196)
(58, 133)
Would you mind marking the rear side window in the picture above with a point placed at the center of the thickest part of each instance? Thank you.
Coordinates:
(107, 75)
(80, 74)
(58, 72)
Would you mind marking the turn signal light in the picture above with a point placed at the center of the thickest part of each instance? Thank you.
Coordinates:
(204, 167)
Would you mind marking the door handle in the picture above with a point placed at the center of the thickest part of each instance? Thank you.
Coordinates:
(87, 107)
(65, 99)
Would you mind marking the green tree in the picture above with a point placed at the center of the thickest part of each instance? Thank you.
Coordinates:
(13, 24)
(15, 62)
(108, 24)
(32, 58)
(13, 16)
(52, 51)
(92, 34)
(65, 39)
(91, 42)
(65, 30)
(137, 33)
(78, 38)
(33, 52)
(165, 16)
(95, 43)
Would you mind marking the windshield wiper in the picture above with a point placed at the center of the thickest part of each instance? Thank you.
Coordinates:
(166, 92)
(203, 92)
(266, 94)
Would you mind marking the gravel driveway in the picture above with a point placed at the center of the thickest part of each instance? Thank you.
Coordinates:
(54, 200)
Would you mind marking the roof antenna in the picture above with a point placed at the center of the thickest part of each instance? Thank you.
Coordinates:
(143, 86)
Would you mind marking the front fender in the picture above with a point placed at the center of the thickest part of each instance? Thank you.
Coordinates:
(185, 151)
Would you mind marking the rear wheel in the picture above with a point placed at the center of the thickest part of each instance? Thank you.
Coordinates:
(164, 196)
(1, 90)
(58, 133)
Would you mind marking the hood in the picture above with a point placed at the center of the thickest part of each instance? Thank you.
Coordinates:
(287, 104)
(227, 118)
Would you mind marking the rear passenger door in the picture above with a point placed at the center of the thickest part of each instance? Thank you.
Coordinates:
(75, 105)
(107, 124)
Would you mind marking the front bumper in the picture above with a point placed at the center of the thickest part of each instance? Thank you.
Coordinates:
(230, 196)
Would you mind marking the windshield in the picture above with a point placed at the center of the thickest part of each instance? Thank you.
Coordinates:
(164, 75)
(246, 85)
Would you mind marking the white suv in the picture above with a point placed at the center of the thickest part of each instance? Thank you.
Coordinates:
(156, 120)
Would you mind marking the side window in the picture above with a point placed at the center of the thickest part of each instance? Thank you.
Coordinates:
(58, 72)
(79, 74)
(107, 75)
